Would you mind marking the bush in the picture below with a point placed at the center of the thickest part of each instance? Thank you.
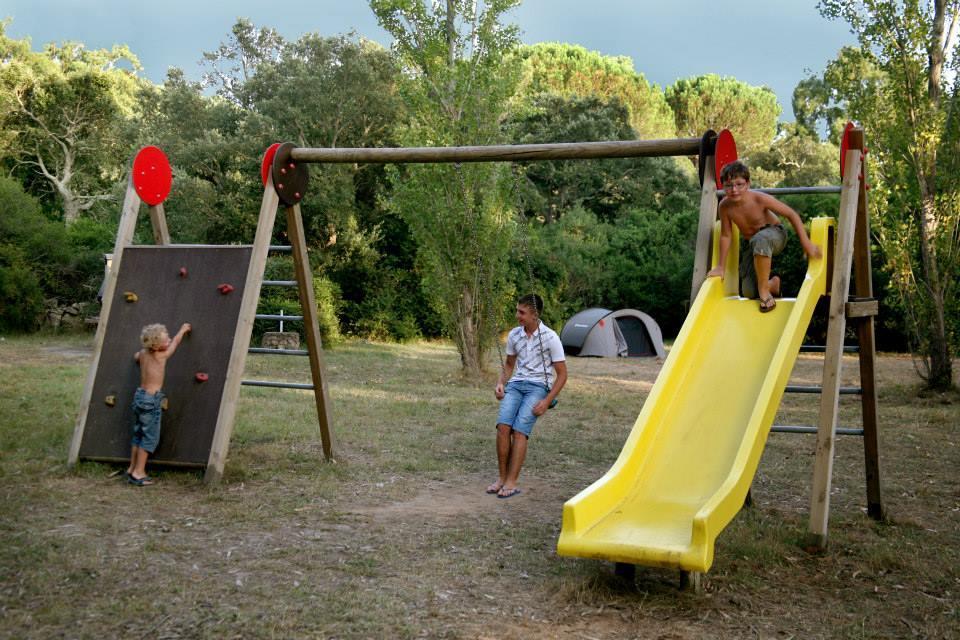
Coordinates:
(21, 298)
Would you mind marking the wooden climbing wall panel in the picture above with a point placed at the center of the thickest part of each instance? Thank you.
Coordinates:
(172, 285)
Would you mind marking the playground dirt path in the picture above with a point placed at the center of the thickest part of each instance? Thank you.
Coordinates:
(398, 539)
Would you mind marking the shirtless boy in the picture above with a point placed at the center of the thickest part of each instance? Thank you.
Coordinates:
(158, 347)
(755, 214)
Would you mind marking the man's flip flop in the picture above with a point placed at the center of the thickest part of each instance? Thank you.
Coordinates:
(767, 305)
(494, 488)
(508, 493)
(145, 481)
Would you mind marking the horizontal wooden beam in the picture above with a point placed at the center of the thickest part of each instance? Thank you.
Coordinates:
(505, 152)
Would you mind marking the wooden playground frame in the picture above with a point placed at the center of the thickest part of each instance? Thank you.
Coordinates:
(852, 251)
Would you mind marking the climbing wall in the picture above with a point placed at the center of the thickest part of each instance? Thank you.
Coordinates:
(170, 285)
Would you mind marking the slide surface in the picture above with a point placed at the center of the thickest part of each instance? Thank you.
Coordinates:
(690, 458)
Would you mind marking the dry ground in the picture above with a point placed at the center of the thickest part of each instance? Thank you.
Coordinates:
(397, 538)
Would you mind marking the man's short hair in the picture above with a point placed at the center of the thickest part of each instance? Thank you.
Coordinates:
(533, 301)
(735, 169)
(152, 336)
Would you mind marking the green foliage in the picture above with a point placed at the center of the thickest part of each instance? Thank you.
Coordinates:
(601, 186)
(571, 71)
(642, 260)
(64, 113)
(458, 81)
(21, 299)
(714, 102)
(327, 298)
(33, 252)
(895, 85)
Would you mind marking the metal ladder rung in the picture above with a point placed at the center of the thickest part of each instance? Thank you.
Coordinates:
(841, 431)
(816, 348)
(280, 283)
(799, 388)
(280, 385)
(278, 352)
(268, 316)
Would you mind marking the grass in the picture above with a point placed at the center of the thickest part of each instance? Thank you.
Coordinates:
(397, 538)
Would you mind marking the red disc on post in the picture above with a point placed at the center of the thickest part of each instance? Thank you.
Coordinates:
(844, 146)
(725, 153)
(152, 175)
(267, 161)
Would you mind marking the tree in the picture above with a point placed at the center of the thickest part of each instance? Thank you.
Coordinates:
(712, 102)
(572, 71)
(236, 60)
(64, 115)
(457, 90)
(908, 109)
(603, 187)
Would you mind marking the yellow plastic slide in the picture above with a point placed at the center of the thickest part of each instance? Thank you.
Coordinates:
(688, 463)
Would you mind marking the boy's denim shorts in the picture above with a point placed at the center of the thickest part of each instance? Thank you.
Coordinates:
(146, 420)
(516, 408)
(768, 241)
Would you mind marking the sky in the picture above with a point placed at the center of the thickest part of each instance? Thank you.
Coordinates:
(773, 43)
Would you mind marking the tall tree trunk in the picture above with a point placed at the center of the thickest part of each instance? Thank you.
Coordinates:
(471, 351)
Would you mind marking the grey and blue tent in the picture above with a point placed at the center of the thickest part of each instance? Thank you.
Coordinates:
(605, 333)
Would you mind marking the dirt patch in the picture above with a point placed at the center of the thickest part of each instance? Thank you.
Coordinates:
(437, 501)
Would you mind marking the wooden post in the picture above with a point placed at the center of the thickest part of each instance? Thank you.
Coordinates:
(308, 305)
(833, 358)
(863, 285)
(708, 215)
(241, 340)
(691, 581)
(158, 221)
(128, 224)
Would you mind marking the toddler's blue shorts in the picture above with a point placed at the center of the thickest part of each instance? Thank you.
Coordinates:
(146, 420)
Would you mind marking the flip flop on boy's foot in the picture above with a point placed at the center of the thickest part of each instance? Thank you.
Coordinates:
(145, 481)
(494, 488)
(767, 304)
(508, 493)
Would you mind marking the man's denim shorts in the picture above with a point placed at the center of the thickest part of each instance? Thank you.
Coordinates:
(146, 420)
(516, 408)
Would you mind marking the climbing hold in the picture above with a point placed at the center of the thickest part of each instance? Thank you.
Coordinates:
(165, 404)
(201, 376)
(110, 401)
(225, 288)
(130, 296)
(183, 272)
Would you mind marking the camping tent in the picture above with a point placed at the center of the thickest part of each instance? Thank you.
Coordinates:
(601, 332)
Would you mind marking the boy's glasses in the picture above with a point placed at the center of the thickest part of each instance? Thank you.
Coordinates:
(735, 186)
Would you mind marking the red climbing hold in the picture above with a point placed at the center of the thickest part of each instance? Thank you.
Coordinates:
(201, 376)
(183, 272)
(225, 288)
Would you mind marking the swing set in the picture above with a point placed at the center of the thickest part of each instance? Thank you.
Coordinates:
(228, 313)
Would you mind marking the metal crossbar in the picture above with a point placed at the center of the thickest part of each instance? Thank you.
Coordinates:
(840, 431)
(274, 384)
(844, 391)
(279, 352)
